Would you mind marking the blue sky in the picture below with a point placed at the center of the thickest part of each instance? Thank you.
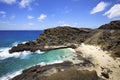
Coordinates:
(42, 14)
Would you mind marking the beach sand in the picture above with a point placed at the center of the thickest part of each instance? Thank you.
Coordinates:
(102, 60)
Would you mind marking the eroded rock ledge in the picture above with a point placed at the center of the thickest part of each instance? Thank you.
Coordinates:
(61, 71)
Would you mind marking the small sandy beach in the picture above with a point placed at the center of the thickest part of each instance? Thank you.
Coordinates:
(102, 60)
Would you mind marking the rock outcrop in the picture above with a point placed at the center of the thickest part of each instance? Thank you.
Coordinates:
(59, 36)
(107, 36)
(60, 71)
(111, 25)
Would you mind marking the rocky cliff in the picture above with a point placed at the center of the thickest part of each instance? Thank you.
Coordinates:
(59, 36)
(107, 36)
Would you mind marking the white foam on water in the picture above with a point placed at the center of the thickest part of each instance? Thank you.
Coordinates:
(24, 42)
(39, 52)
(50, 63)
(4, 53)
(72, 50)
(10, 75)
(15, 43)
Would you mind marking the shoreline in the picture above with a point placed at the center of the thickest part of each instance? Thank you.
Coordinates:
(29, 53)
(105, 71)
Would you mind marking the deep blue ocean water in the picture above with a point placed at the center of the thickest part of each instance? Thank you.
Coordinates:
(7, 38)
(12, 64)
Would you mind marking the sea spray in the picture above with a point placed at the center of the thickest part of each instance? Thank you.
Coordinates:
(15, 43)
(4, 53)
(10, 63)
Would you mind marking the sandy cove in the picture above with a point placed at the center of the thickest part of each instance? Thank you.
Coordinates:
(103, 62)
(97, 60)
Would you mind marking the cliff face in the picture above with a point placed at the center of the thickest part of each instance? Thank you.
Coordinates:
(107, 36)
(54, 37)
(63, 35)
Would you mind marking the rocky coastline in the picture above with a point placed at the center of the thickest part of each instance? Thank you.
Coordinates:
(106, 36)
(44, 72)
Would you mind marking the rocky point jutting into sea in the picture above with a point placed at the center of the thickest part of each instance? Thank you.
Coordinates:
(93, 49)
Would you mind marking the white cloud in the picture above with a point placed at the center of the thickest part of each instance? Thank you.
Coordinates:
(100, 7)
(3, 14)
(25, 3)
(42, 17)
(8, 1)
(30, 17)
(12, 17)
(113, 12)
(30, 24)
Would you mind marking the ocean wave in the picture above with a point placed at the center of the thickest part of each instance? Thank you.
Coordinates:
(9, 76)
(24, 42)
(15, 43)
(18, 42)
(4, 53)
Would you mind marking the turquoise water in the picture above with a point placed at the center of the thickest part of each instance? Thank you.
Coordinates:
(11, 63)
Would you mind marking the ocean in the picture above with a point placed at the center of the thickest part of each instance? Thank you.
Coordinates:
(13, 64)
